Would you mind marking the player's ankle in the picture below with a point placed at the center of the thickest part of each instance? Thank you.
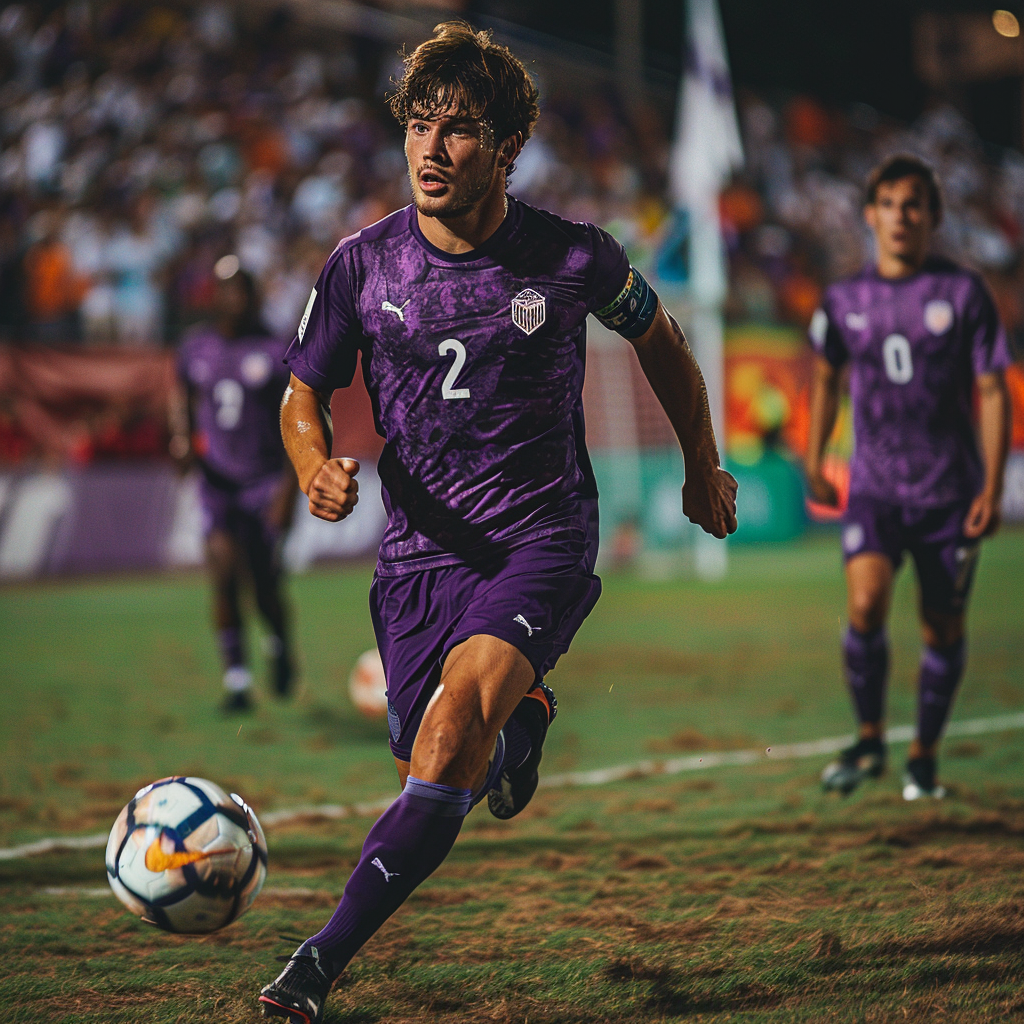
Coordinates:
(871, 730)
(919, 750)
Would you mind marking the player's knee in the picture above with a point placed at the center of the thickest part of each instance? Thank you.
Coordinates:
(867, 610)
(941, 630)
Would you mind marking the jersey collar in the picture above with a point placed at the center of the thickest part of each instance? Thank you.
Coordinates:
(481, 252)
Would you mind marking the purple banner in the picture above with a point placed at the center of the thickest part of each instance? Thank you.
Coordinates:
(117, 518)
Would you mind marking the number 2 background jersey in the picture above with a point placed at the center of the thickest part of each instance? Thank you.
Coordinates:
(474, 364)
(915, 346)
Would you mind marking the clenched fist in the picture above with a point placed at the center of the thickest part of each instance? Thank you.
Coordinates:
(709, 500)
(823, 491)
(334, 491)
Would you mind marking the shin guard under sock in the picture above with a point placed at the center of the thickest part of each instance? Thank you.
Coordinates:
(406, 844)
(866, 656)
(940, 674)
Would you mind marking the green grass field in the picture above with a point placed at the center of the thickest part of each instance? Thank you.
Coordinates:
(725, 894)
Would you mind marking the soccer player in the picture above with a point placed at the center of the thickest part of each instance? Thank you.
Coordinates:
(469, 311)
(918, 333)
(226, 416)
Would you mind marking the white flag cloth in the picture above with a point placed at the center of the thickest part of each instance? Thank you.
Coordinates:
(707, 144)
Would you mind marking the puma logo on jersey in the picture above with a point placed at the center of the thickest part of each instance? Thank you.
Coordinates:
(530, 630)
(388, 875)
(399, 311)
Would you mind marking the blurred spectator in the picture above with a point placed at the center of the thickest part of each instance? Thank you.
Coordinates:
(52, 287)
(149, 141)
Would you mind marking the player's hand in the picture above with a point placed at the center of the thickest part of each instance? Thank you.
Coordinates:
(709, 500)
(822, 491)
(334, 490)
(983, 517)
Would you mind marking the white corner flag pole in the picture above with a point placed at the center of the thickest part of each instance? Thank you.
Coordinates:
(705, 150)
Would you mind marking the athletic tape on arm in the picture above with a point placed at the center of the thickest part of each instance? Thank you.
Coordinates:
(632, 311)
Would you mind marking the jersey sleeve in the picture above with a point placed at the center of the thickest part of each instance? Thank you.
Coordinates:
(323, 352)
(609, 269)
(990, 348)
(825, 336)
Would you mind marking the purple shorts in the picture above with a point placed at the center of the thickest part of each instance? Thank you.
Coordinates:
(944, 557)
(241, 511)
(536, 599)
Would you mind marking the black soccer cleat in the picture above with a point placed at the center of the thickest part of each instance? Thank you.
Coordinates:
(237, 702)
(516, 786)
(919, 780)
(864, 760)
(299, 991)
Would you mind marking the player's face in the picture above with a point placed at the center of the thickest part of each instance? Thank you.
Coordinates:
(453, 163)
(231, 300)
(901, 219)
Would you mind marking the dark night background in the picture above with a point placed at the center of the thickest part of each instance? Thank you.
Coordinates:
(839, 52)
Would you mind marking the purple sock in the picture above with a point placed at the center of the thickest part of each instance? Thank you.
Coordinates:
(867, 667)
(230, 641)
(406, 844)
(941, 670)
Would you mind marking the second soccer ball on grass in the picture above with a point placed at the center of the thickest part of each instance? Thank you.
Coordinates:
(367, 686)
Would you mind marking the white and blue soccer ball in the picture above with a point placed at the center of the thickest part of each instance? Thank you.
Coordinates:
(185, 856)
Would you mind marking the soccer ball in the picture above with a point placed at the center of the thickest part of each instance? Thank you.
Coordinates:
(185, 856)
(367, 685)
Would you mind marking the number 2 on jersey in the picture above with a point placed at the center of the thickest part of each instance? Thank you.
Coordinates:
(456, 346)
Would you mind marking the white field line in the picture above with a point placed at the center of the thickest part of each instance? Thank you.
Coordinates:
(599, 777)
(102, 892)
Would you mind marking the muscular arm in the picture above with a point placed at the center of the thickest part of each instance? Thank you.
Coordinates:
(824, 409)
(709, 492)
(994, 432)
(329, 484)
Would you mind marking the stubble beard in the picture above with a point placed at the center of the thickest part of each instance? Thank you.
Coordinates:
(462, 196)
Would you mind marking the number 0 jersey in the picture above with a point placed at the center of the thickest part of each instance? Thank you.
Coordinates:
(474, 364)
(915, 346)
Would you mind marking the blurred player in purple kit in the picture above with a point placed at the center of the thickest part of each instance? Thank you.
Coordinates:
(469, 310)
(918, 333)
(227, 417)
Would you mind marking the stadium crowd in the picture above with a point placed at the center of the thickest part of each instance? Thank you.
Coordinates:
(139, 143)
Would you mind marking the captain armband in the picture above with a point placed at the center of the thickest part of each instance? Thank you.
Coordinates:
(632, 311)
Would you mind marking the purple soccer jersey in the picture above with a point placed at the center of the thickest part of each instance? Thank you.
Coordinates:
(915, 346)
(474, 364)
(237, 384)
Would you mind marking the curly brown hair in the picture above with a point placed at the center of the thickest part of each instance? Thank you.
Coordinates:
(465, 73)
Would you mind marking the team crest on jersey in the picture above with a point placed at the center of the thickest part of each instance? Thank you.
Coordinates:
(856, 321)
(938, 316)
(255, 369)
(528, 310)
